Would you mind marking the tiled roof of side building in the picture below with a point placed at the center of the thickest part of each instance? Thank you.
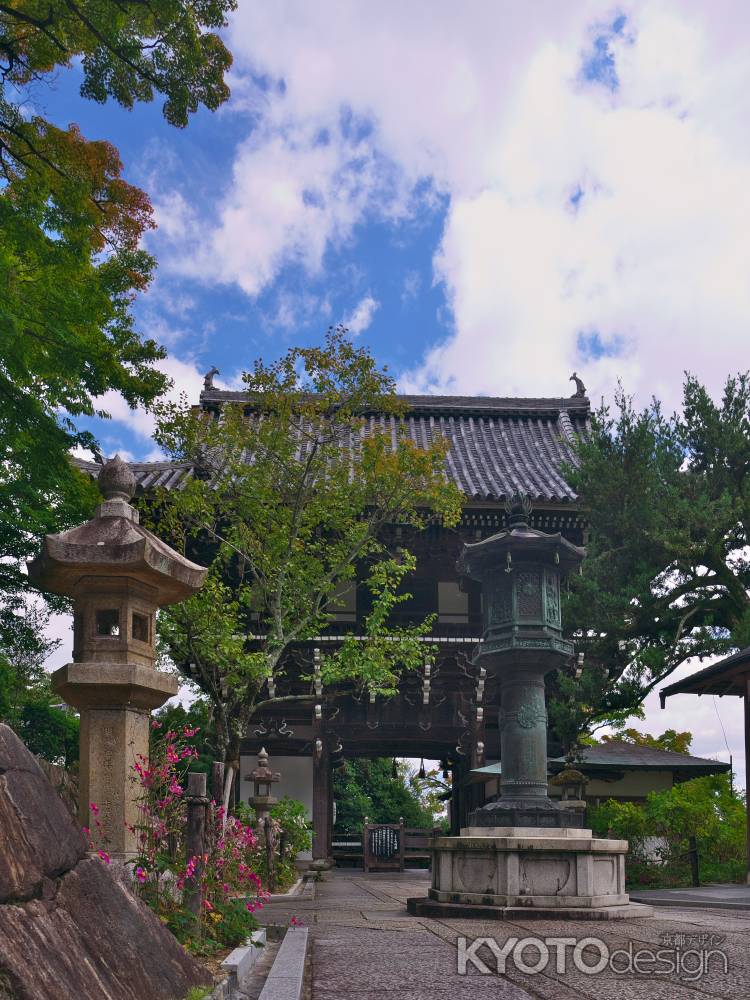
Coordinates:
(499, 446)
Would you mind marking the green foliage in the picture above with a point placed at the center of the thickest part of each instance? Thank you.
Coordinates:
(128, 50)
(291, 829)
(705, 808)
(292, 819)
(196, 716)
(372, 664)
(50, 732)
(292, 495)
(670, 739)
(71, 258)
(199, 993)
(667, 575)
(367, 788)
(27, 702)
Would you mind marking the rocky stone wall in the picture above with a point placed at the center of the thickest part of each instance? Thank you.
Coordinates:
(68, 928)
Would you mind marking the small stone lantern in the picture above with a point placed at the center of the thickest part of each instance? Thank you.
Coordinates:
(572, 784)
(118, 574)
(262, 778)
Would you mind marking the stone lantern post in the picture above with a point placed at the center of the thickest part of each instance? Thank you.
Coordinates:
(117, 574)
(520, 571)
(262, 778)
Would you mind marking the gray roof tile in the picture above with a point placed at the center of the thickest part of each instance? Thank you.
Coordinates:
(498, 445)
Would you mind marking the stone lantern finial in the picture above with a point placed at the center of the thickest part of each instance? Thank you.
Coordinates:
(116, 480)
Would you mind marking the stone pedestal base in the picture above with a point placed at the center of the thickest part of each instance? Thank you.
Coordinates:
(527, 871)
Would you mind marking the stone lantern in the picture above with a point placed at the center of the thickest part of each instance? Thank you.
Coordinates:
(118, 574)
(525, 854)
(262, 778)
(520, 571)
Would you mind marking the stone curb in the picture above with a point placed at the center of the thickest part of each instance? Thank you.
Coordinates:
(700, 904)
(425, 907)
(287, 973)
(294, 890)
(238, 964)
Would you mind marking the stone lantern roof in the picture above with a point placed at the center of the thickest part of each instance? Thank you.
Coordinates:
(519, 540)
(113, 543)
(263, 773)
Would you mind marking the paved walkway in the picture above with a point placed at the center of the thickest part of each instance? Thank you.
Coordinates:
(366, 947)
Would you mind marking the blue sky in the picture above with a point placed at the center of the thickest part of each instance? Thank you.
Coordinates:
(491, 194)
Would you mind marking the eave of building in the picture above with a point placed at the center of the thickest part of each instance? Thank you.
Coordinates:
(729, 676)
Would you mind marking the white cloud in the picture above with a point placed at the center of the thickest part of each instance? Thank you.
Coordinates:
(296, 189)
(186, 378)
(361, 316)
(412, 284)
(487, 104)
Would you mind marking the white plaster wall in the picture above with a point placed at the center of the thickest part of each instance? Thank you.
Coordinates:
(296, 782)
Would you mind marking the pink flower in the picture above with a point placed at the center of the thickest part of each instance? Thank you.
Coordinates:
(140, 874)
(155, 724)
(94, 808)
(296, 922)
(104, 856)
(209, 906)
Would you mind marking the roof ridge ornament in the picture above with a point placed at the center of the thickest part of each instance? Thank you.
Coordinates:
(208, 378)
(580, 392)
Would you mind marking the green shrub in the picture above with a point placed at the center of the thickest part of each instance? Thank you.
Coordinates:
(705, 808)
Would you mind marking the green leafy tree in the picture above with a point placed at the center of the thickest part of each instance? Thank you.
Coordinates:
(27, 702)
(667, 575)
(291, 502)
(71, 258)
(705, 808)
(670, 739)
(368, 788)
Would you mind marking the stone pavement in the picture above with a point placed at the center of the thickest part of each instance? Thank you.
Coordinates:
(366, 947)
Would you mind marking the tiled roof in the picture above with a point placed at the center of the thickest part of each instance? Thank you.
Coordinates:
(625, 756)
(499, 446)
(149, 475)
(621, 754)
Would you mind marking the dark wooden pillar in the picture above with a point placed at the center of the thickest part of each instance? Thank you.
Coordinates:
(747, 768)
(322, 805)
(461, 796)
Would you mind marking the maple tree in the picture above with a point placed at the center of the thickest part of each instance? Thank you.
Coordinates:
(71, 259)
